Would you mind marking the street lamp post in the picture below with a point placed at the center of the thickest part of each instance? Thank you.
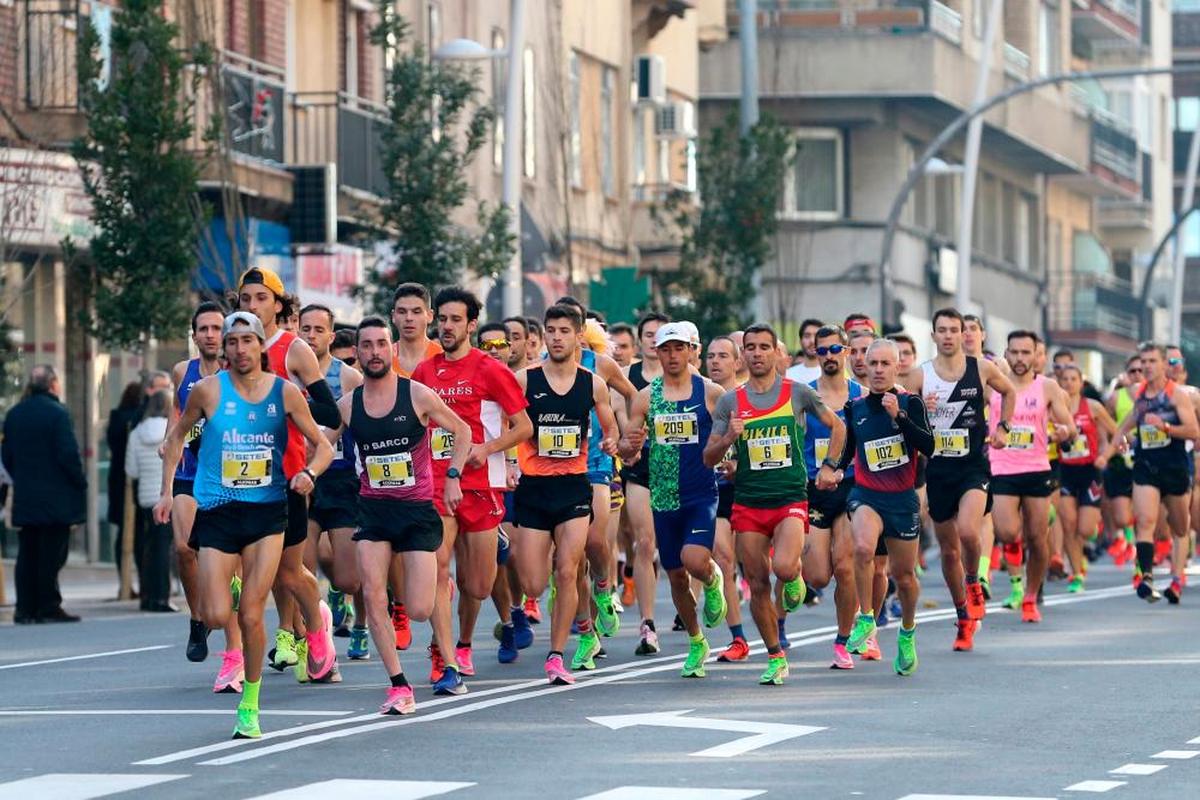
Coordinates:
(470, 50)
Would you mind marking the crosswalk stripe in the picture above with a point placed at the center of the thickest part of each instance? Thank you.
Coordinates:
(79, 786)
(365, 790)
(673, 793)
(1094, 786)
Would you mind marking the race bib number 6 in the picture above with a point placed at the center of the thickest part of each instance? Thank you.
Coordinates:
(675, 429)
(390, 471)
(245, 469)
(770, 452)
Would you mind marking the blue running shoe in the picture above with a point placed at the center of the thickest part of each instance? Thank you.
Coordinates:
(894, 608)
(337, 605)
(882, 620)
(450, 682)
(507, 653)
(522, 630)
(358, 649)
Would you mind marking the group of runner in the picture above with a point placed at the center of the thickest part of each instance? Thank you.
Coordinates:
(504, 458)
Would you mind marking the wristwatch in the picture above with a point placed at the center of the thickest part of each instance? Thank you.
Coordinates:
(311, 475)
(829, 462)
(453, 473)
(1004, 424)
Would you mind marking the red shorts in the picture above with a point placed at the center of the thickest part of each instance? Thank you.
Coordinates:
(480, 510)
(764, 520)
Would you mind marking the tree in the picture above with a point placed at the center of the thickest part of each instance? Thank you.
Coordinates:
(726, 238)
(435, 127)
(140, 175)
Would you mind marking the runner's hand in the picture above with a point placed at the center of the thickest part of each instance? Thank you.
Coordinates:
(1100, 463)
(511, 475)
(1155, 420)
(931, 403)
(1061, 433)
(162, 510)
(636, 438)
(608, 446)
(736, 426)
(890, 404)
(478, 455)
(452, 496)
(302, 484)
(826, 478)
(999, 439)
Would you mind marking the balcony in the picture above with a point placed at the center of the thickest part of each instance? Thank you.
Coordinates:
(333, 127)
(825, 17)
(1102, 314)
(1114, 164)
(1117, 214)
(1099, 21)
(1016, 63)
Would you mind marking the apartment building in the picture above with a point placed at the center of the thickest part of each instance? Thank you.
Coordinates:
(1186, 105)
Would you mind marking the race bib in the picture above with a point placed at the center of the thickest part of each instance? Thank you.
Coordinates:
(1077, 449)
(1152, 438)
(194, 432)
(820, 450)
(245, 469)
(885, 453)
(1020, 437)
(559, 441)
(441, 442)
(676, 429)
(339, 449)
(770, 452)
(393, 471)
(951, 443)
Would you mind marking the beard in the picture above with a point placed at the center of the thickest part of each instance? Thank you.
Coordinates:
(376, 373)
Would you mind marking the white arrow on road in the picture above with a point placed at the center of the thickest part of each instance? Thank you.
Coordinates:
(763, 733)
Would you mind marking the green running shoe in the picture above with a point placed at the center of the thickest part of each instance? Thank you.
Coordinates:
(986, 585)
(300, 668)
(585, 652)
(1016, 594)
(777, 670)
(714, 600)
(247, 724)
(697, 653)
(793, 594)
(906, 652)
(235, 591)
(1075, 585)
(864, 627)
(284, 654)
(607, 621)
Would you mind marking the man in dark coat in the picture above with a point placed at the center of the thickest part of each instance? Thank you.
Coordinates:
(41, 455)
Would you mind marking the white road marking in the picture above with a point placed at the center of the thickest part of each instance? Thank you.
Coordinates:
(1107, 662)
(154, 712)
(85, 656)
(1138, 769)
(366, 790)
(1177, 754)
(969, 797)
(762, 734)
(1094, 786)
(83, 786)
(673, 793)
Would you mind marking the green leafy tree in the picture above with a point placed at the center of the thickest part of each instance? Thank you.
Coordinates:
(726, 238)
(436, 125)
(140, 175)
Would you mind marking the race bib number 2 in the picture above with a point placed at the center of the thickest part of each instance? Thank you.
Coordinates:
(245, 469)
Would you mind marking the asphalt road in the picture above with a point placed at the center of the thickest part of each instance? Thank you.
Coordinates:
(1099, 697)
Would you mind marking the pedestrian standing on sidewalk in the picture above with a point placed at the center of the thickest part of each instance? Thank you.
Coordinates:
(123, 419)
(40, 452)
(144, 465)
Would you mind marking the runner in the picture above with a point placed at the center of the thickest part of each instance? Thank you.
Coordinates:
(974, 339)
(240, 490)
(1165, 419)
(1177, 371)
(388, 417)
(343, 347)
(553, 499)
(261, 293)
(956, 388)
(674, 414)
(412, 316)
(859, 341)
(533, 345)
(765, 420)
(807, 367)
(1021, 478)
(485, 395)
(885, 429)
(829, 549)
(1118, 477)
(624, 343)
(334, 507)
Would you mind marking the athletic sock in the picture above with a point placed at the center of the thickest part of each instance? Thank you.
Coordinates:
(775, 652)
(508, 624)
(699, 637)
(985, 564)
(961, 611)
(839, 639)
(399, 681)
(585, 625)
(554, 653)
(1129, 533)
(736, 631)
(907, 631)
(628, 570)
(972, 579)
(1145, 559)
(601, 585)
(649, 623)
(461, 644)
(250, 693)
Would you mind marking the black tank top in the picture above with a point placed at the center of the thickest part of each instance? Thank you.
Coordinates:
(393, 450)
(561, 425)
(959, 424)
(642, 468)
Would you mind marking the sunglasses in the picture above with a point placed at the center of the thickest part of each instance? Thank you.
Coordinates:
(832, 349)
(1174, 362)
(1134, 370)
(494, 344)
(350, 361)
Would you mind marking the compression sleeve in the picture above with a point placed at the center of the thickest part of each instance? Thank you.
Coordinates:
(322, 405)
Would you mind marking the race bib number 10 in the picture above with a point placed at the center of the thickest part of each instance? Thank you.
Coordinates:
(559, 441)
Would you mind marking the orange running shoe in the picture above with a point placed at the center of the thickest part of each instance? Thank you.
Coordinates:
(1057, 570)
(401, 627)
(533, 611)
(1162, 551)
(1029, 610)
(976, 605)
(628, 593)
(738, 650)
(965, 639)
(437, 664)
(872, 653)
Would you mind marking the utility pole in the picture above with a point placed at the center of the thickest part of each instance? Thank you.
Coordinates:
(748, 38)
(1180, 260)
(514, 303)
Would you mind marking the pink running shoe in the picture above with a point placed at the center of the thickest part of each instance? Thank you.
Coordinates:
(556, 673)
(462, 656)
(322, 655)
(872, 653)
(841, 658)
(233, 672)
(399, 701)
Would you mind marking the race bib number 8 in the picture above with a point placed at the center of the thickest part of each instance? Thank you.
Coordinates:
(770, 452)
(245, 469)
(441, 442)
(1152, 438)
(675, 429)
(885, 453)
(559, 441)
(1020, 437)
(390, 471)
(951, 443)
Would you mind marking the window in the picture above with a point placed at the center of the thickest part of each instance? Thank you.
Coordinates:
(529, 114)
(1023, 232)
(813, 188)
(945, 193)
(608, 171)
(1049, 40)
(1187, 113)
(639, 145)
(978, 15)
(499, 98)
(987, 217)
(576, 111)
(350, 61)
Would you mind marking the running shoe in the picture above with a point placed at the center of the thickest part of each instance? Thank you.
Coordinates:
(714, 599)
(322, 653)
(677, 624)
(964, 639)
(607, 621)
(1057, 570)
(359, 645)
(648, 643)
(450, 682)
(533, 611)
(628, 592)
(1030, 612)
(522, 632)
(906, 652)
(976, 602)
(793, 594)
(247, 724)
(337, 604)
(1075, 585)
(1174, 592)
(197, 646)
(1146, 590)
(1016, 595)
(738, 650)
(284, 654)
(841, 658)
(401, 627)
(812, 597)
(508, 651)
(466, 664)
(872, 653)
(233, 672)
(437, 664)
(894, 607)
(300, 668)
(864, 628)
(777, 670)
(985, 585)
(556, 673)
(235, 592)
(882, 619)
(693, 667)
(399, 701)
(618, 606)
(585, 652)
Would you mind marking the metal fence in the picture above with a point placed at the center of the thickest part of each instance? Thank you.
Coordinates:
(335, 127)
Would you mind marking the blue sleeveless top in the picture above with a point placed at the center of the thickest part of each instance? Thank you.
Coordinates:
(677, 431)
(186, 470)
(241, 452)
(343, 448)
(816, 434)
(598, 461)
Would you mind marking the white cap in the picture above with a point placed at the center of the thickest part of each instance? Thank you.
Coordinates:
(673, 332)
(694, 331)
(243, 318)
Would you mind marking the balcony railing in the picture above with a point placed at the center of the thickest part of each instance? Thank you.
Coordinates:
(825, 17)
(1104, 303)
(1107, 20)
(333, 127)
(1016, 62)
(49, 50)
(1115, 153)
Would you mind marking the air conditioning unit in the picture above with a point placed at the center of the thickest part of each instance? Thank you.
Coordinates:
(651, 74)
(312, 217)
(675, 120)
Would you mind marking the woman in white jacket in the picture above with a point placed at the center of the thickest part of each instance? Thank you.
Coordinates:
(143, 464)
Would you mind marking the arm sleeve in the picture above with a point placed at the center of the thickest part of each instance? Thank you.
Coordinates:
(322, 405)
(915, 427)
(851, 443)
(721, 414)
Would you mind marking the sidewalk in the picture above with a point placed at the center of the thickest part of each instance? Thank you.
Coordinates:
(87, 589)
